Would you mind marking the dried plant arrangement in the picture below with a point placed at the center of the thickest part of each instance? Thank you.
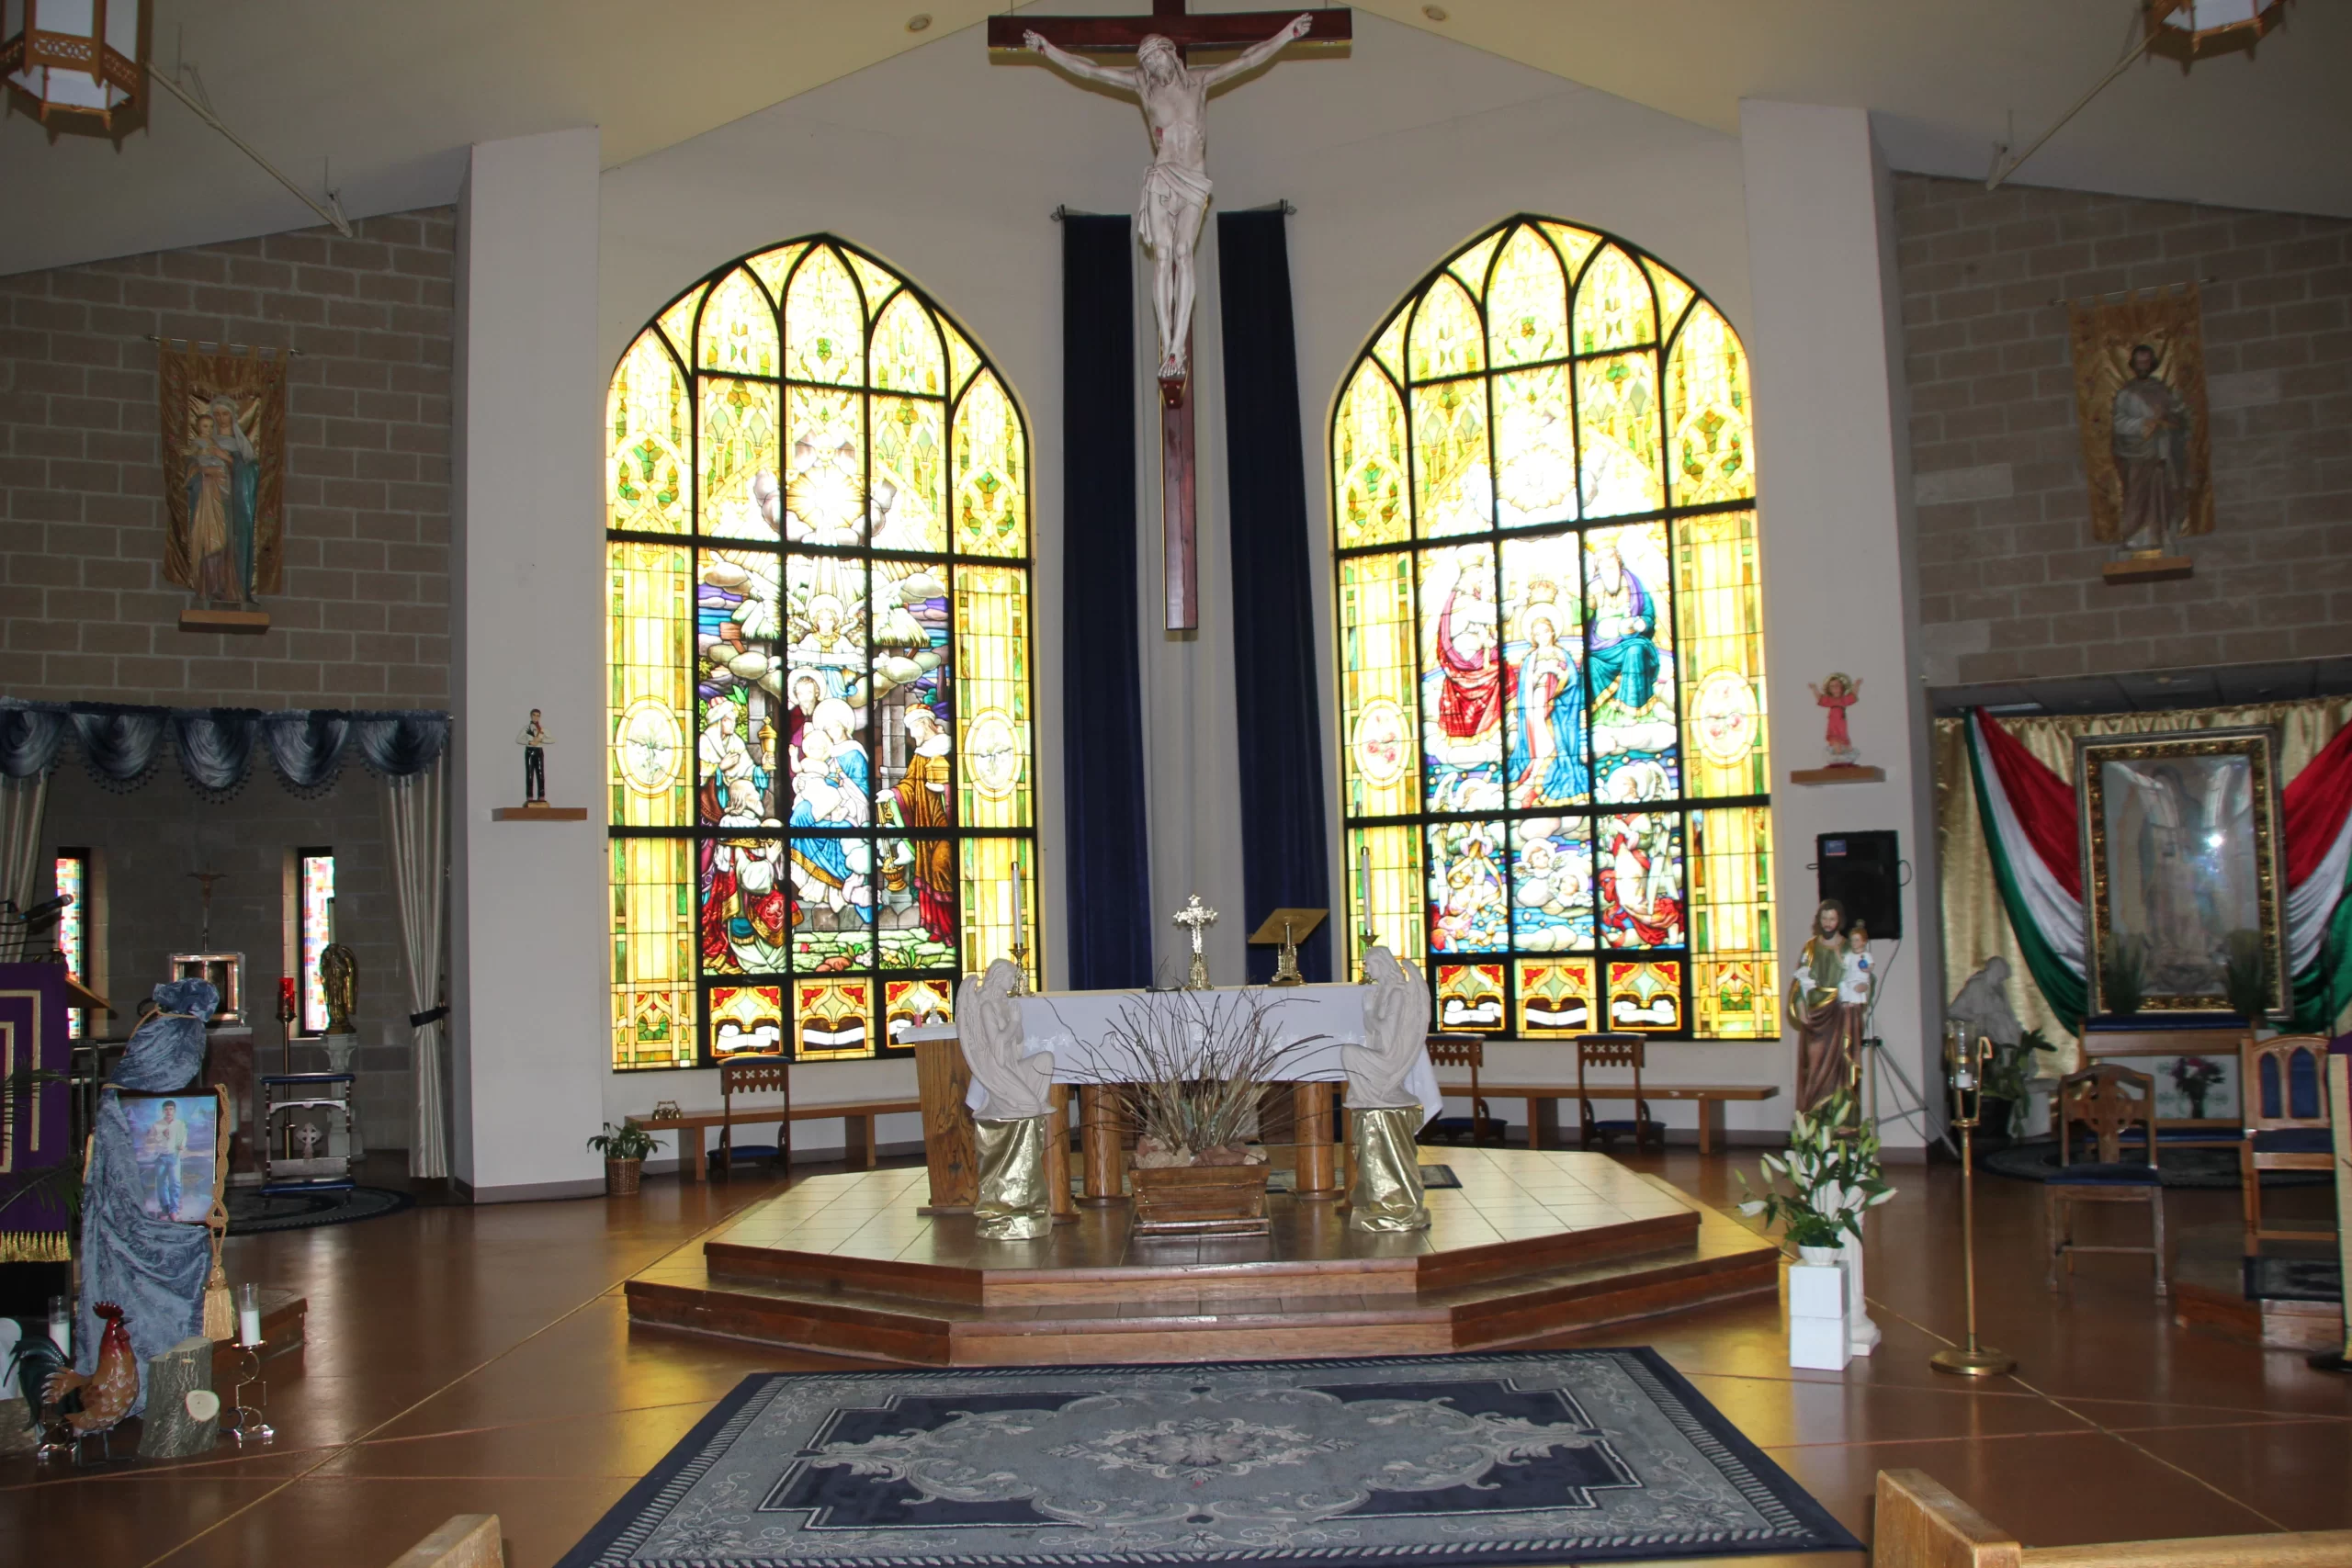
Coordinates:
(1186, 1069)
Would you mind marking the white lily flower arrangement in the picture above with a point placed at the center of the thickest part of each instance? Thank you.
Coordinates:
(1833, 1179)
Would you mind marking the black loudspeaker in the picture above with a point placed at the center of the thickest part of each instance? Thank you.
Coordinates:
(1863, 872)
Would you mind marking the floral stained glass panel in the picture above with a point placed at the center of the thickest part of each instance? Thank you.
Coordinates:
(1618, 428)
(1710, 442)
(648, 606)
(1470, 997)
(909, 475)
(1447, 339)
(1368, 453)
(1721, 624)
(1379, 705)
(1736, 984)
(738, 498)
(1385, 887)
(738, 332)
(908, 354)
(1555, 997)
(824, 323)
(1527, 308)
(1613, 305)
(992, 654)
(1647, 997)
(654, 1017)
(1453, 490)
(991, 496)
(649, 466)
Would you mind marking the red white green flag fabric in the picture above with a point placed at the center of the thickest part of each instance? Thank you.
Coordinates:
(2030, 830)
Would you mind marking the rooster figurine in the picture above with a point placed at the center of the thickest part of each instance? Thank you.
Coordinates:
(94, 1403)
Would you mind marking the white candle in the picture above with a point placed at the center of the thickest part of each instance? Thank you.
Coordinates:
(1364, 885)
(1017, 910)
(249, 1325)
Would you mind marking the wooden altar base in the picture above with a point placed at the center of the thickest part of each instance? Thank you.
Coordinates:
(1532, 1244)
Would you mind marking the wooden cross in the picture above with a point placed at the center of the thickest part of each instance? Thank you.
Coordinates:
(1125, 35)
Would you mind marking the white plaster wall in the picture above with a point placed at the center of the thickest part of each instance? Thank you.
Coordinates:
(948, 165)
(529, 942)
(1835, 484)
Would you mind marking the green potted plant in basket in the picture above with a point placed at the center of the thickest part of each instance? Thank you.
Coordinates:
(624, 1148)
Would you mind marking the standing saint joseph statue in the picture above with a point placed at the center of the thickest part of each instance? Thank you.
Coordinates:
(1176, 189)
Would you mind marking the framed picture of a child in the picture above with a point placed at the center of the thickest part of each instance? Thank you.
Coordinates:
(224, 473)
(179, 1141)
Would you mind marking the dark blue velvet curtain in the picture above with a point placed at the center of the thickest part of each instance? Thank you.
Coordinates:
(1279, 719)
(1110, 883)
(121, 744)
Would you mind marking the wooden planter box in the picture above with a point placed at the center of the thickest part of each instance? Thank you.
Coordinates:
(1200, 1200)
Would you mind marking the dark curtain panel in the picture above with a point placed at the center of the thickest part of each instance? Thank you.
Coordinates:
(1281, 722)
(1110, 885)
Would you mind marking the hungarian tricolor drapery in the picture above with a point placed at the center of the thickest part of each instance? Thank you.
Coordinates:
(2028, 813)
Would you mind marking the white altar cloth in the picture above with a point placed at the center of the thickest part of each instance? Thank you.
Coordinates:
(1074, 1025)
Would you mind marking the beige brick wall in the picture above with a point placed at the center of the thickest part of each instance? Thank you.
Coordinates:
(363, 617)
(2009, 574)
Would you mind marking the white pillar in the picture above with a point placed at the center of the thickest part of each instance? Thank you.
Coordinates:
(527, 938)
(1834, 466)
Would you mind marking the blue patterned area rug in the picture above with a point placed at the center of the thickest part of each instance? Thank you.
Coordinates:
(1493, 1458)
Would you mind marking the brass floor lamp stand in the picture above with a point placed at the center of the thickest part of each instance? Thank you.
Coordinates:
(1967, 1060)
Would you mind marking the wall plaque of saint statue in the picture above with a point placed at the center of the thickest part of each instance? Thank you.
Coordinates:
(2183, 870)
(224, 473)
(2140, 399)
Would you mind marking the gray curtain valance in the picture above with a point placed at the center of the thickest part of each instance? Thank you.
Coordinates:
(121, 744)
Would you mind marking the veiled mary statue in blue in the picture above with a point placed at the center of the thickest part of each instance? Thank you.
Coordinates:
(154, 1269)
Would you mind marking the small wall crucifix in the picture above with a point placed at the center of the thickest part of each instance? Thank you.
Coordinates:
(1174, 204)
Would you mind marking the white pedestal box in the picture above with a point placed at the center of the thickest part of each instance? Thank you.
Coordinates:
(1818, 1336)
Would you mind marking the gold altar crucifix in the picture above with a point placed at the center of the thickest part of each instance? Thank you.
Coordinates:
(1174, 97)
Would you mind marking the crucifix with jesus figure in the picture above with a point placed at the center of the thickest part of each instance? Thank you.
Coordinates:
(1174, 99)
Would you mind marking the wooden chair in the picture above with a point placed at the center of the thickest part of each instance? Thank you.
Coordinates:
(2282, 1096)
(755, 1075)
(1614, 1051)
(2111, 1100)
(1463, 1050)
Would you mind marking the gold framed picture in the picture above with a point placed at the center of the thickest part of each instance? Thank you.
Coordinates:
(2183, 868)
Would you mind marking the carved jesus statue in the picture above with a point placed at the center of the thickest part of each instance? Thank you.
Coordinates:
(1176, 189)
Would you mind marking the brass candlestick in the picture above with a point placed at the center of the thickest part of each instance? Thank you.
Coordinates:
(1965, 1060)
(1020, 961)
(1366, 940)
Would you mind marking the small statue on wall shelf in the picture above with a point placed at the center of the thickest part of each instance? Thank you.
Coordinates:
(535, 740)
(1835, 695)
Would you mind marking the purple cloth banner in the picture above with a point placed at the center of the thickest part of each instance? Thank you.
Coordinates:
(36, 1131)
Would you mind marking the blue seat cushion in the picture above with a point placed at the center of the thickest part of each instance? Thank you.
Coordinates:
(2294, 1141)
(744, 1154)
(1619, 1125)
(2120, 1174)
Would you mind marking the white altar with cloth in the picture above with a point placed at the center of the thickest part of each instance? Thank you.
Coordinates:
(1076, 1026)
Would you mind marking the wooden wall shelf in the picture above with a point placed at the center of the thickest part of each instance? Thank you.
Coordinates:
(2149, 569)
(237, 623)
(538, 814)
(1838, 775)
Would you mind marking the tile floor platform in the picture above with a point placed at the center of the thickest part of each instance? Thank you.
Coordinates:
(481, 1361)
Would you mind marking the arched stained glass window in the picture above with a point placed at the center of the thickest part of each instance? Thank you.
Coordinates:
(820, 752)
(1551, 655)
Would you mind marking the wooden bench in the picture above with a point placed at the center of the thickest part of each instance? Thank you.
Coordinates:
(857, 1127)
(1544, 1104)
(1919, 1524)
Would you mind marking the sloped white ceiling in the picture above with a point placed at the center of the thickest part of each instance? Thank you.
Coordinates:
(387, 96)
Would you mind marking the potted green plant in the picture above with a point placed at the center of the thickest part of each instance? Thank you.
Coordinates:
(1833, 1174)
(624, 1148)
(2009, 1084)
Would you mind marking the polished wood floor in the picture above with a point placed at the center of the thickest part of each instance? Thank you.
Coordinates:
(480, 1360)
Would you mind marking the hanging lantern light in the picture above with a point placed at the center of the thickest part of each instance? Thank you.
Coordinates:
(2189, 30)
(76, 57)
